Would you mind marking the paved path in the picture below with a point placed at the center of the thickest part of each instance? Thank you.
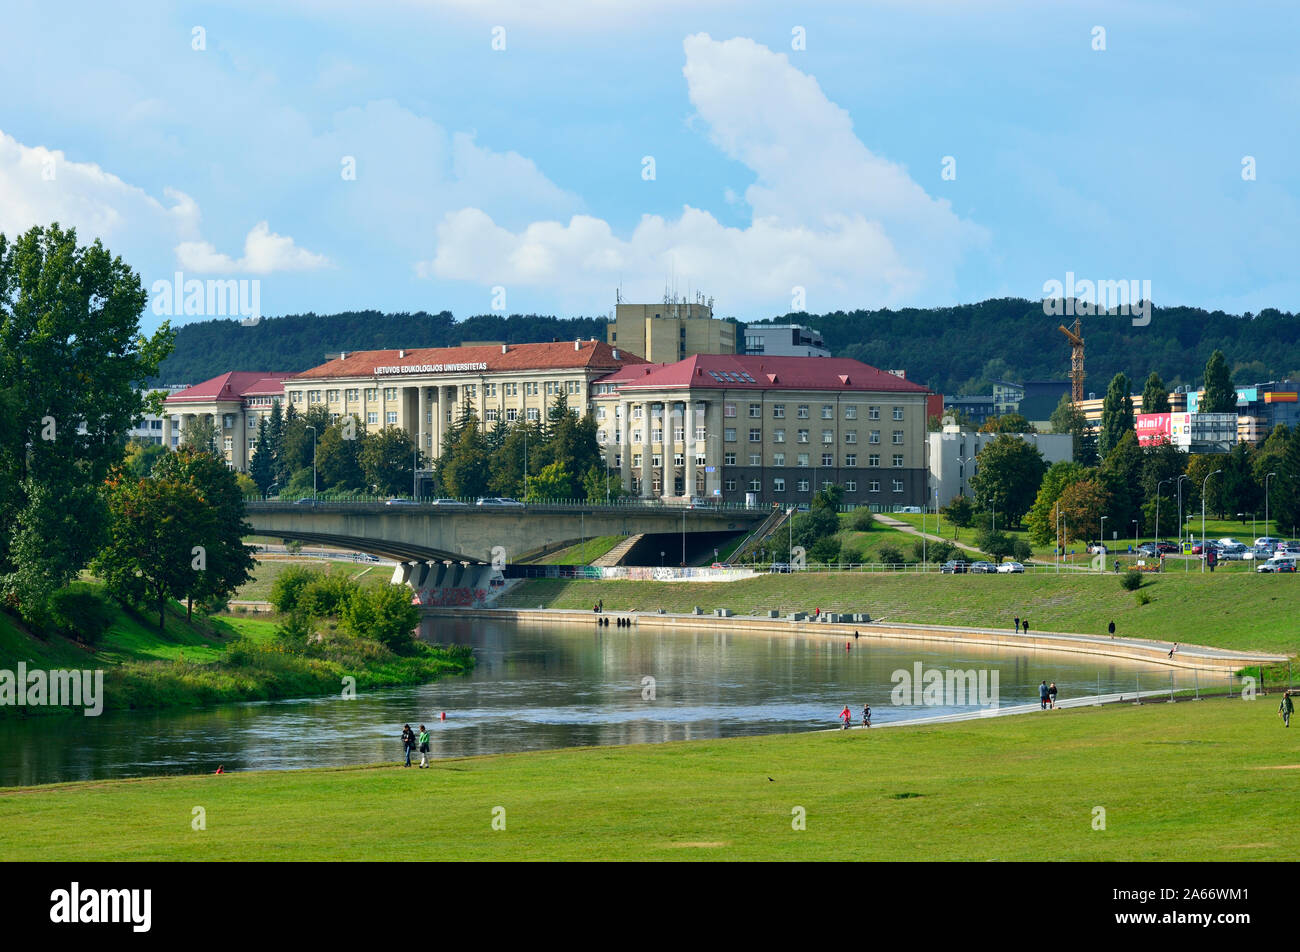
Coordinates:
(878, 721)
(912, 530)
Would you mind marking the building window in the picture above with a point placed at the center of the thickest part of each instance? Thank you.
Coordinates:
(755, 410)
(636, 460)
(755, 436)
(331, 396)
(372, 393)
(334, 417)
(700, 435)
(828, 411)
(353, 393)
(850, 436)
(898, 459)
(778, 436)
(873, 486)
(898, 437)
(898, 413)
(873, 413)
(372, 417)
(534, 414)
(850, 459)
(295, 396)
(828, 436)
(802, 411)
(490, 415)
(656, 460)
(390, 393)
(778, 459)
(803, 436)
(802, 485)
(778, 411)
(391, 417)
(778, 485)
(802, 459)
(828, 459)
(898, 485)
(850, 412)
(755, 459)
(656, 435)
(755, 485)
(678, 434)
(874, 437)
(313, 396)
(228, 443)
(729, 485)
(851, 485)
(679, 459)
(511, 415)
(252, 423)
(729, 434)
(729, 459)
(728, 409)
(700, 460)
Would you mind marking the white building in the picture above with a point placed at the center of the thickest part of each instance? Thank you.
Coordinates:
(784, 340)
(952, 457)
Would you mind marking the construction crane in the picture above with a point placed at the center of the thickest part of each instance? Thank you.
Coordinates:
(1076, 359)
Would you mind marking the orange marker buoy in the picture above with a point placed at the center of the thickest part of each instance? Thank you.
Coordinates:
(443, 716)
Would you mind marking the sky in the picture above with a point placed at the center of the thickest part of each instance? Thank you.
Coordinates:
(535, 157)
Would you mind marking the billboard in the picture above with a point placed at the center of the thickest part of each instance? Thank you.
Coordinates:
(1153, 427)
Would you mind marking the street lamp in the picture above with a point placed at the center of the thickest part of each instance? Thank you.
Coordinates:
(684, 508)
(1205, 552)
(1060, 544)
(1179, 486)
(313, 459)
(1267, 530)
(1158, 485)
(1101, 542)
(1135, 533)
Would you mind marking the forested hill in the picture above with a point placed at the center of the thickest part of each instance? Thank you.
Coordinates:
(960, 349)
(297, 342)
(954, 350)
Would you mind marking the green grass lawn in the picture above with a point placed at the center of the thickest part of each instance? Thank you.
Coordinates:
(1240, 611)
(1188, 781)
(583, 553)
(266, 572)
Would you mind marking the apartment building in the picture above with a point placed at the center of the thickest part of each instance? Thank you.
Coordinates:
(670, 331)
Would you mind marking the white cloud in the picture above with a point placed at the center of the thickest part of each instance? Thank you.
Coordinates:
(829, 215)
(265, 252)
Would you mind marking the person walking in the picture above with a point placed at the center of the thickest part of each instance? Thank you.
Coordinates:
(1024, 626)
(866, 715)
(408, 742)
(1042, 696)
(1017, 624)
(1111, 629)
(847, 715)
(1173, 649)
(1051, 695)
(1286, 708)
(424, 746)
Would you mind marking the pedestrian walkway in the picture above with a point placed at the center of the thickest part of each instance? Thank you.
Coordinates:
(892, 523)
(1004, 710)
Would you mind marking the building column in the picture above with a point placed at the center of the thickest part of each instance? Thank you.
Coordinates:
(647, 422)
(624, 447)
(689, 435)
(167, 428)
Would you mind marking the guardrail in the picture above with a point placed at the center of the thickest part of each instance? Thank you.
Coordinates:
(382, 504)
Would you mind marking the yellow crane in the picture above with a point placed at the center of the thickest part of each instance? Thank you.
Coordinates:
(1075, 336)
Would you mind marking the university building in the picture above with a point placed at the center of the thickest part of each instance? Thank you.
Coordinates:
(670, 331)
(234, 402)
(766, 429)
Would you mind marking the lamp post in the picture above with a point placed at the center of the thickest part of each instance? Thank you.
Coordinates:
(1135, 532)
(1267, 530)
(313, 459)
(1205, 552)
(1179, 486)
(1158, 485)
(415, 471)
(1060, 544)
(1102, 543)
(684, 536)
(525, 462)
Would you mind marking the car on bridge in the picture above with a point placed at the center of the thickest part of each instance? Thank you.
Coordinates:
(446, 503)
(305, 501)
(399, 501)
(498, 501)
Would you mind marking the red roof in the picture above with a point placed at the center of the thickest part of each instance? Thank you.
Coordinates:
(234, 385)
(558, 355)
(756, 372)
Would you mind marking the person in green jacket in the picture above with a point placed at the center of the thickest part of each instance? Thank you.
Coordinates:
(1286, 708)
(424, 746)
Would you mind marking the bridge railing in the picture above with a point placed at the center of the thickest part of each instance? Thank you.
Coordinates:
(353, 502)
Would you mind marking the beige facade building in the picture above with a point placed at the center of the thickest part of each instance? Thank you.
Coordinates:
(671, 331)
(234, 402)
(780, 428)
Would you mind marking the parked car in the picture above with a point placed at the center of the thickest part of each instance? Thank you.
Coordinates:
(1289, 548)
(780, 567)
(1010, 568)
(1277, 565)
(698, 501)
(1268, 540)
(1235, 551)
(983, 568)
(399, 501)
(448, 502)
(305, 501)
(955, 567)
(915, 510)
(498, 501)
(1148, 549)
(1097, 549)
(1166, 548)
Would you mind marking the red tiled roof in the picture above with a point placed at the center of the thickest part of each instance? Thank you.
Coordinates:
(233, 385)
(558, 355)
(756, 372)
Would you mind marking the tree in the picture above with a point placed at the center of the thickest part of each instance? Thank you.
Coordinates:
(1067, 418)
(1219, 395)
(140, 457)
(1200, 469)
(262, 466)
(1241, 494)
(387, 461)
(1116, 415)
(1041, 520)
(600, 484)
(200, 435)
(1161, 463)
(1082, 503)
(996, 545)
(960, 512)
(1121, 474)
(1284, 507)
(1155, 395)
(1007, 423)
(275, 440)
(338, 456)
(465, 470)
(72, 363)
(553, 482)
(385, 613)
(1009, 471)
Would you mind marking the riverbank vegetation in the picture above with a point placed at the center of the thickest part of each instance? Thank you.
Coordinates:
(975, 790)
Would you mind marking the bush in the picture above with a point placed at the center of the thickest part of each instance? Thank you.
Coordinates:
(294, 630)
(289, 585)
(862, 520)
(890, 554)
(81, 614)
(384, 613)
(940, 552)
(824, 550)
(851, 554)
(1131, 580)
(325, 595)
(1021, 550)
(1143, 598)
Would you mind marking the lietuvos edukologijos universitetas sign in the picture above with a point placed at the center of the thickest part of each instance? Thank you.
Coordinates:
(430, 368)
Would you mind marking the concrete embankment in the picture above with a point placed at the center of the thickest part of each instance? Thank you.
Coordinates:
(993, 640)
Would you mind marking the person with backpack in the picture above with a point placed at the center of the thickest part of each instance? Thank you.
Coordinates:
(1111, 629)
(408, 742)
(1286, 709)
(866, 715)
(424, 746)
(1042, 696)
(1024, 626)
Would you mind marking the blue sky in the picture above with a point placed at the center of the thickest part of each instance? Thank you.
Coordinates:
(775, 168)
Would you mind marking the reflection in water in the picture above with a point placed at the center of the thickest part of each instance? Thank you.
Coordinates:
(538, 687)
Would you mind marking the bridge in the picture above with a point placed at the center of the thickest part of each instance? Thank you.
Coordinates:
(488, 535)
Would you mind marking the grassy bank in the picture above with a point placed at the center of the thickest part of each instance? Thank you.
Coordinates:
(1190, 781)
(267, 570)
(1244, 611)
(204, 661)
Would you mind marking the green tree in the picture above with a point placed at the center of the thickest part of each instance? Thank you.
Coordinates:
(139, 459)
(1241, 493)
(1009, 471)
(553, 482)
(338, 456)
(384, 613)
(1284, 488)
(960, 511)
(262, 466)
(1121, 474)
(289, 585)
(466, 468)
(1161, 463)
(600, 484)
(1067, 418)
(72, 362)
(1116, 415)
(387, 461)
(1007, 423)
(1041, 521)
(1082, 503)
(1155, 395)
(1219, 395)
(200, 435)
